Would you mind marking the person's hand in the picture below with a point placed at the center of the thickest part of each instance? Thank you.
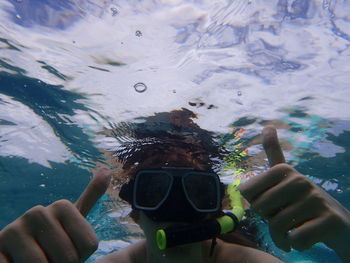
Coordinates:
(299, 213)
(57, 233)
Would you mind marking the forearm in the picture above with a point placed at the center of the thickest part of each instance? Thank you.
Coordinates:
(104, 260)
(131, 254)
(115, 257)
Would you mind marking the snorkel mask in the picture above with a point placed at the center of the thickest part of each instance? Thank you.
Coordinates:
(174, 194)
(183, 195)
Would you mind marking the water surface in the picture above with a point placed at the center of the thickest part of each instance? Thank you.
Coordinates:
(71, 69)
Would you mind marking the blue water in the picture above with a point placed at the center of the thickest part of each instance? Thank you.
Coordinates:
(70, 70)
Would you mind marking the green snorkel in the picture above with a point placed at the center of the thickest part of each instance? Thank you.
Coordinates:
(208, 229)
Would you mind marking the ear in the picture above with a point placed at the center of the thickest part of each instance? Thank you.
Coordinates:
(126, 192)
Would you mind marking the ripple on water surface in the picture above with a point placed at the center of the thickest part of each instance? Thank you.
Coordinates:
(71, 70)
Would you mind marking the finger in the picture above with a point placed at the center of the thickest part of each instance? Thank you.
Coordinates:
(291, 190)
(29, 249)
(95, 189)
(310, 233)
(293, 216)
(15, 238)
(272, 147)
(289, 219)
(280, 239)
(4, 259)
(77, 228)
(50, 235)
(262, 182)
(57, 245)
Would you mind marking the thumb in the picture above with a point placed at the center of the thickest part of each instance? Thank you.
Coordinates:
(272, 147)
(95, 189)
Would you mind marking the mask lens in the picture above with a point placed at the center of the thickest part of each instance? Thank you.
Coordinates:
(151, 189)
(202, 191)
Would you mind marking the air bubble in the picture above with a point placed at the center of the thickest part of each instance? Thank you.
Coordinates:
(114, 11)
(239, 93)
(140, 87)
(138, 33)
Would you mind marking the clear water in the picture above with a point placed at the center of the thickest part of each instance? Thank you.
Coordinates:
(68, 69)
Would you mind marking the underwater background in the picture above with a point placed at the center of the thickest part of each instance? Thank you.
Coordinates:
(72, 69)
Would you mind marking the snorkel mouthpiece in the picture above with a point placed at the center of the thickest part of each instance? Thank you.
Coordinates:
(207, 229)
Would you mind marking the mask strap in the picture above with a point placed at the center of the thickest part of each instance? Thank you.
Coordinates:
(126, 192)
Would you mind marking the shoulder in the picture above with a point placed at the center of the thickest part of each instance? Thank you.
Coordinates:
(135, 253)
(234, 253)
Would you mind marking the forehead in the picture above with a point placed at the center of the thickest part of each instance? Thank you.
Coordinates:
(178, 158)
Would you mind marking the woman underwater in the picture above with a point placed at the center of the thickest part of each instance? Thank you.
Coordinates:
(176, 164)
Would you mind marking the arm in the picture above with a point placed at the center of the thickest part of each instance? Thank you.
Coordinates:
(57, 233)
(299, 213)
(135, 253)
(231, 253)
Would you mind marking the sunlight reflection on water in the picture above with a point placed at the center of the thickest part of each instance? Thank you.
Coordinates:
(234, 63)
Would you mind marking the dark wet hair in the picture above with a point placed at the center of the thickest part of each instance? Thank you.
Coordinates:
(172, 139)
(150, 141)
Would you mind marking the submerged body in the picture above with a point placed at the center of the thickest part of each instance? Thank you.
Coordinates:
(194, 253)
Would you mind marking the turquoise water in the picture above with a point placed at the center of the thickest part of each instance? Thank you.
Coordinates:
(71, 69)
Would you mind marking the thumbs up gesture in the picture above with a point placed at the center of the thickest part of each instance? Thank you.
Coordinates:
(57, 233)
(299, 213)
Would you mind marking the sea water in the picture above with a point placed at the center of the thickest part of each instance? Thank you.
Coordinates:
(70, 70)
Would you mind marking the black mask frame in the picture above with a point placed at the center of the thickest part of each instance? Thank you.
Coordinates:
(185, 194)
